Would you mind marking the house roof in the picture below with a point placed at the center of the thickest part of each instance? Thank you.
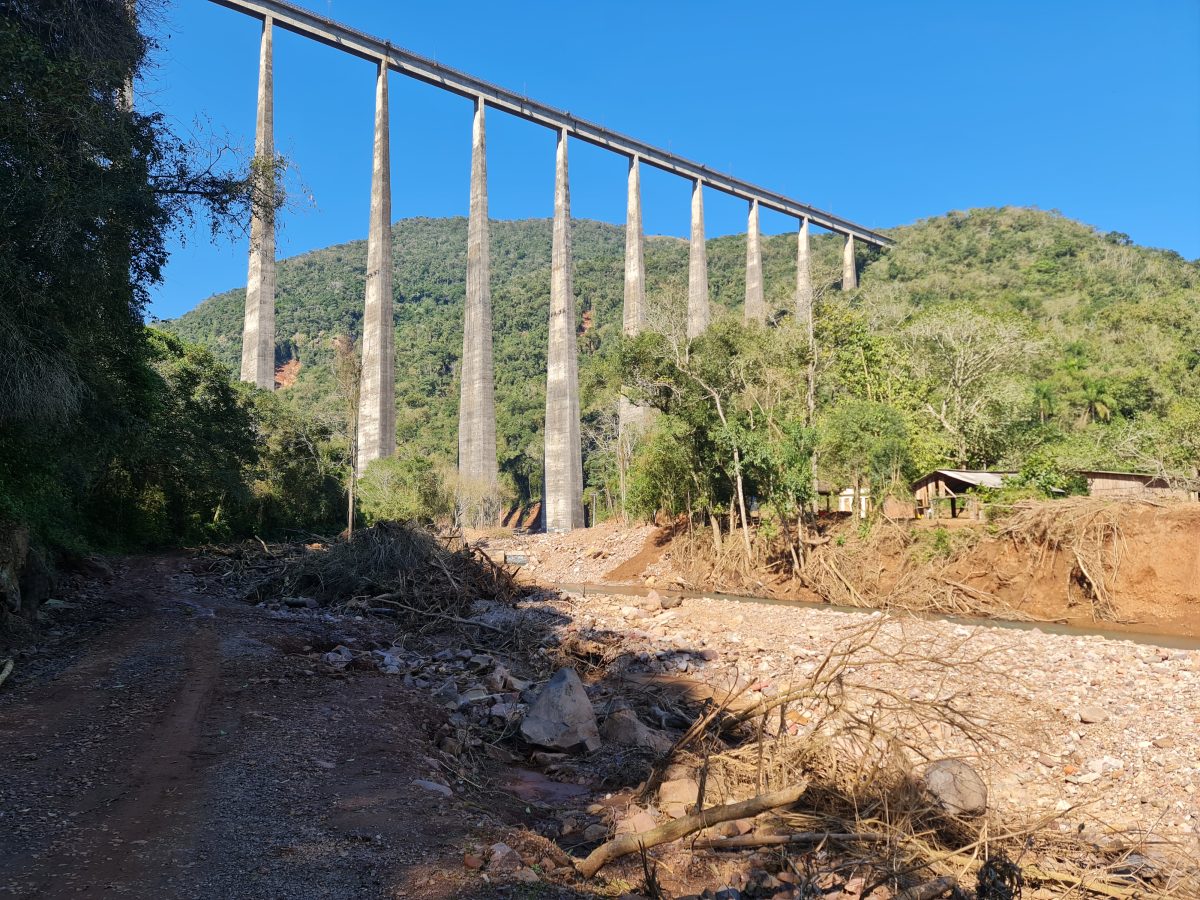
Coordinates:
(975, 478)
(1179, 482)
(980, 479)
(1148, 475)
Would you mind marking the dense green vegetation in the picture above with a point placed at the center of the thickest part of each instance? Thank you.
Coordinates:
(998, 337)
(113, 435)
(1007, 337)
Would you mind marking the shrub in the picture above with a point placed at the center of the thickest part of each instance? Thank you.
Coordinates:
(403, 488)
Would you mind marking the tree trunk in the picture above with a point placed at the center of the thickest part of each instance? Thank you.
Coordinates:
(623, 455)
(741, 497)
(787, 534)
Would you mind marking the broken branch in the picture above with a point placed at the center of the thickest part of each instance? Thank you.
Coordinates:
(682, 827)
(773, 840)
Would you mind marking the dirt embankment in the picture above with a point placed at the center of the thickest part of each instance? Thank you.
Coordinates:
(1148, 561)
(1120, 565)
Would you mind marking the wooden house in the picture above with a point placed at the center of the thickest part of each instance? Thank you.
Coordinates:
(1136, 485)
(946, 492)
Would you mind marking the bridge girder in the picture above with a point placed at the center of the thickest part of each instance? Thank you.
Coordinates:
(358, 43)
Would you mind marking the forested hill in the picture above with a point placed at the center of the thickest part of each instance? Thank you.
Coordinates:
(1103, 333)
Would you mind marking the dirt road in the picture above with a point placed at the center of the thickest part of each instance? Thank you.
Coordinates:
(167, 741)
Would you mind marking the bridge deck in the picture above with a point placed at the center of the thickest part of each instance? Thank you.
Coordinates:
(349, 40)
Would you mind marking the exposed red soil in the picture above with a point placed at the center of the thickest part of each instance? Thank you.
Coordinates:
(286, 374)
(652, 551)
(1155, 584)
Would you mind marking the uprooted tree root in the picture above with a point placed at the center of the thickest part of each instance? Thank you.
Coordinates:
(849, 748)
(401, 570)
(844, 568)
(1086, 528)
(886, 565)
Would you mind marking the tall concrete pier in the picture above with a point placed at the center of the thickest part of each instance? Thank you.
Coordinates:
(563, 493)
(756, 307)
(631, 416)
(477, 400)
(849, 273)
(126, 98)
(377, 389)
(634, 309)
(804, 286)
(258, 332)
(697, 308)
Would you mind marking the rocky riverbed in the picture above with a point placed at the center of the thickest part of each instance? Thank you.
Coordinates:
(1102, 731)
(1095, 736)
(353, 758)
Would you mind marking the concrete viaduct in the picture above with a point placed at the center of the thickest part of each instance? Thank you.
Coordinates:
(563, 485)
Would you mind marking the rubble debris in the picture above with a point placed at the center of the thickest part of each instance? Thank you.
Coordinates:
(399, 568)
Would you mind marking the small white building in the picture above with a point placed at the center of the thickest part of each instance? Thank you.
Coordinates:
(845, 502)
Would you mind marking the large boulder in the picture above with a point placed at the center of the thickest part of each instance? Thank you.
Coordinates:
(956, 787)
(14, 550)
(561, 717)
(26, 579)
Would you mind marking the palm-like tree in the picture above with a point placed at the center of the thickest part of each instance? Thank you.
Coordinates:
(1098, 403)
(1043, 400)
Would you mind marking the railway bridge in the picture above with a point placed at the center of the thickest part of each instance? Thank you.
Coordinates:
(477, 463)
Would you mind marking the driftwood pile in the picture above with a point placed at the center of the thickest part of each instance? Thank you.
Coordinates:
(401, 570)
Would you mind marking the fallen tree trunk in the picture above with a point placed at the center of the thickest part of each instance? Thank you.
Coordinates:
(773, 840)
(685, 825)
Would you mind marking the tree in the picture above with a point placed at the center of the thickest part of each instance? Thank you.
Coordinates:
(1097, 401)
(176, 470)
(1181, 436)
(735, 399)
(295, 480)
(1044, 400)
(700, 380)
(347, 371)
(401, 488)
(971, 367)
(865, 445)
(109, 432)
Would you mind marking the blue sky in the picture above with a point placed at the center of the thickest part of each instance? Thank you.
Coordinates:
(882, 112)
